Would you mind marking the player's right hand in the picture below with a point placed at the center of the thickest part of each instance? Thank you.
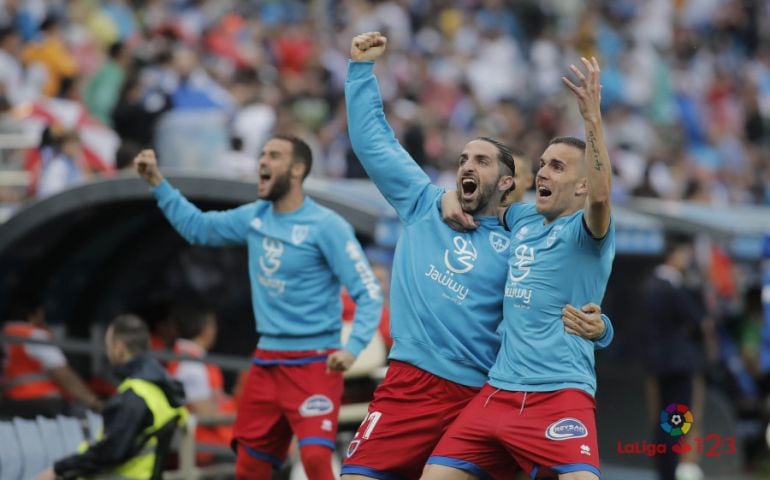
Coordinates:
(147, 167)
(368, 46)
(454, 215)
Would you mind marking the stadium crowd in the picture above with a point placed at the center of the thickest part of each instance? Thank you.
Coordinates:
(686, 85)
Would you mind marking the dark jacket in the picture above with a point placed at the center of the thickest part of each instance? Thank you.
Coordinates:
(125, 415)
(673, 319)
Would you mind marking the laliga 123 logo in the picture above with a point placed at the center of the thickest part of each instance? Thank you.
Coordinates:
(677, 421)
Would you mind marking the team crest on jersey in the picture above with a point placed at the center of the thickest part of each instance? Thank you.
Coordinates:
(316, 405)
(299, 233)
(522, 233)
(566, 429)
(552, 236)
(499, 242)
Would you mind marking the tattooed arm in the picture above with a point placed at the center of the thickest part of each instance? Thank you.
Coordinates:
(598, 168)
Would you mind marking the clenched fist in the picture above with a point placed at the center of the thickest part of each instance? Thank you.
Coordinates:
(368, 46)
(147, 167)
(340, 361)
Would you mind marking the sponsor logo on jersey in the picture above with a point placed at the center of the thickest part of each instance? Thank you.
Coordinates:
(465, 255)
(316, 405)
(566, 429)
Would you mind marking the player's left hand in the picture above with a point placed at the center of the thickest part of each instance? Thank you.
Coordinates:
(340, 361)
(588, 89)
(453, 214)
(586, 322)
(47, 474)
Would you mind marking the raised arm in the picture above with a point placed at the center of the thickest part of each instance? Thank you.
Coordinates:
(599, 170)
(403, 183)
(227, 227)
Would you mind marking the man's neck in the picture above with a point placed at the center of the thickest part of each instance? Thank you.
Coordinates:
(489, 211)
(289, 202)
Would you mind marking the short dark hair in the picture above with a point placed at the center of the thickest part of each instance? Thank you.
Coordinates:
(190, 319)
(504, 154)
(673, 241)
(300, 151)
(571, 141)
(133, 332)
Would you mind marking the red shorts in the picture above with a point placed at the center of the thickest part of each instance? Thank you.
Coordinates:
(542, 433)
(410, 411)
(283, 399)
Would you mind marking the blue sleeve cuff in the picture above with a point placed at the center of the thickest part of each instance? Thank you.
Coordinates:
(609, 333)
(360, 70)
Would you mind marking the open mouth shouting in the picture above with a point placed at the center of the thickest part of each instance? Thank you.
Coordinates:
(543, 191)
(468, 186)
(264, 180)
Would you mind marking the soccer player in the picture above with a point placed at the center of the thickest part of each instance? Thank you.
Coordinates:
(299, 252)
(537, 412)
(446, 301)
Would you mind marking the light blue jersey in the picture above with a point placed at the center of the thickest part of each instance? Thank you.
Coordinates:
(296, 263)
(549, 266)
(447, 287)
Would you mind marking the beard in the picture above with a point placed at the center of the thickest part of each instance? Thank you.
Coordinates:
(485, 194)
(281, 186)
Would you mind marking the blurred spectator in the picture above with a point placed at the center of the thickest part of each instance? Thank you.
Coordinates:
(203, 383)
(103, 89)
(36, 378)
(676, 322)
(62, 164)
(18, 82)
(137, 112)
(51, 51)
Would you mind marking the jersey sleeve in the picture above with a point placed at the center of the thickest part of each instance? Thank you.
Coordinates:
(217, 228)
(347, 261)
(402, 182)
(609, 334)
(512, 213)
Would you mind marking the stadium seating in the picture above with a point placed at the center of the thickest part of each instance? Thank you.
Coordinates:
(52, 438)
(33, 451)
(94, 421)
(72, 433)
(11, 463)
